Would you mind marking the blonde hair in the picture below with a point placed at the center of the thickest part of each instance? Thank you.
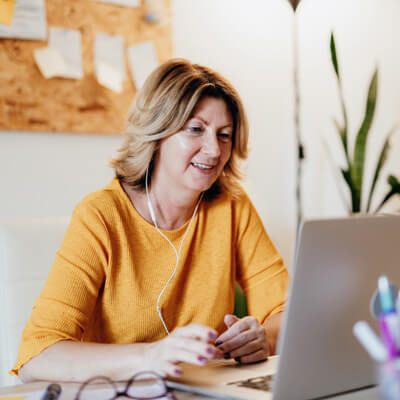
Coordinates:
(163, 106)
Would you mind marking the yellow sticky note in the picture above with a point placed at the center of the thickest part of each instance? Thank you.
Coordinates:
(12, 398)
(6, 11)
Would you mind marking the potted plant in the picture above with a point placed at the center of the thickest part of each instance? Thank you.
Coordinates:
(353, 172)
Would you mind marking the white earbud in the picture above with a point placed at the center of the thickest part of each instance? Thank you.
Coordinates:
(177, 253)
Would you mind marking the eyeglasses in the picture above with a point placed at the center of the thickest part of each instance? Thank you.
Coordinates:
(146, 385)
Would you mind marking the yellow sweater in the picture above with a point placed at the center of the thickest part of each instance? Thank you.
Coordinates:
(112, 265)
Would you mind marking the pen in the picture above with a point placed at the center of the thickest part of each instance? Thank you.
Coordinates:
(388, 322)
(52, 392)
(371, 343)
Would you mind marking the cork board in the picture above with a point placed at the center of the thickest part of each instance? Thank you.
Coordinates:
(29, 102)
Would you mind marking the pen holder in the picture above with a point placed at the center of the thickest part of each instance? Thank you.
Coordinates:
(389, 380)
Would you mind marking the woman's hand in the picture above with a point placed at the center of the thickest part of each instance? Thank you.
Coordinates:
(190, 344)
(245, 340)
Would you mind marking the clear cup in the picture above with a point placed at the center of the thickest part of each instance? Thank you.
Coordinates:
(389, 380)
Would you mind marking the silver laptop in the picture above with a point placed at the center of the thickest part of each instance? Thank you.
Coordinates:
(338, 262)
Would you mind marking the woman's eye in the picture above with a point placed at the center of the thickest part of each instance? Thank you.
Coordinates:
(225, 137)
(195, 129)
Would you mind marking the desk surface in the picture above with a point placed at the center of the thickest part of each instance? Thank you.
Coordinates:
(216, 377)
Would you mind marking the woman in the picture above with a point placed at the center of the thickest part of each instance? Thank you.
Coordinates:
(144, 278)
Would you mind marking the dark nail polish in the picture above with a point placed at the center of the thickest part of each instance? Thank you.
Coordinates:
(210, 350)
(217, 343)
(237, 359)
(211, 335)
(202, 359)
(227, 355)
(178, 372)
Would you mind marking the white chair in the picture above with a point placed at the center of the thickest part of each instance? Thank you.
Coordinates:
(27, 251)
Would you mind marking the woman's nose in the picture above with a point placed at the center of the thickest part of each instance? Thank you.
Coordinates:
(211, 145)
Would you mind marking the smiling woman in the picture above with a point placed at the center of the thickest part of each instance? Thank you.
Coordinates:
(145, 276)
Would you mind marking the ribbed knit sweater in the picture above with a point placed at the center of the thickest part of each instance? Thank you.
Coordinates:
(112, 265)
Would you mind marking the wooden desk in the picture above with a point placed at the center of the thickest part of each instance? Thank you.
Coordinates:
(217, 377)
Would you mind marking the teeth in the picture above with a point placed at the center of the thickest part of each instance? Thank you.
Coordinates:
(202, 166)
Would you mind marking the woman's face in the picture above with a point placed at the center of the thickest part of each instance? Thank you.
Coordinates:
(193, 158)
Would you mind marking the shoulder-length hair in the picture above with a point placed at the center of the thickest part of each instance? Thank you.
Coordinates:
(163, 106)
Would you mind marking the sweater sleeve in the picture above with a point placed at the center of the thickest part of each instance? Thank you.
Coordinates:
(261, 271)
(65, 305)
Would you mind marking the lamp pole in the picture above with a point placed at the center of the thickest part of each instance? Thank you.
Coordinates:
(299, 143)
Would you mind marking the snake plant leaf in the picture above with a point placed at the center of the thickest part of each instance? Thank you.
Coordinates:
(357, 171)
(333, 55)
(346, 176)
(343, 130)
(355, 202)
(394, 183)
(394, 189)
(343, 136)
(381, 162)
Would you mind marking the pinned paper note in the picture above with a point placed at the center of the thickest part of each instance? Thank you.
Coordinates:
(142, 61)
(109, 62)
(125, 3)
(68, 43)
(6, 11)
(154, 10)
(50, 62)
(23, 19)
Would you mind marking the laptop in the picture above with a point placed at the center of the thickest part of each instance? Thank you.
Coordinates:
(338, 262)
(337, 265)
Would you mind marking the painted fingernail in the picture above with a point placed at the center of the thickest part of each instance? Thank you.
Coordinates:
(212, 335)
(237, 359)
(226, 356)
(218, 342)
(202, 359)
(178, 372)
(210, 350)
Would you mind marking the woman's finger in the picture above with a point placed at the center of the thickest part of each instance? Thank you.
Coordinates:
(240, 340)
(241, 325)
(196, 331)
(197, 347)
(252, 358)
(176, 355)
(249, 348)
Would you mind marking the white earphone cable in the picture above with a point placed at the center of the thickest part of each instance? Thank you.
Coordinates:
(177, 253)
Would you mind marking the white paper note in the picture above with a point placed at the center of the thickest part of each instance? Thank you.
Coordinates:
(125, 3)
(50, 62)
(68, 43)
(29, 21)
(142, 61)
(109, 61)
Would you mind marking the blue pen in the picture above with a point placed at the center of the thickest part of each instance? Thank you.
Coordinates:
(388, 322)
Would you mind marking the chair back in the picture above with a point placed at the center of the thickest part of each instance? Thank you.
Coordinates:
(27, 251)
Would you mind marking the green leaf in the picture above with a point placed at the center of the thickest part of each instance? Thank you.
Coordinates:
(343, 136)
(346, 176)
(394, 183)
(394, 189)
(355, 200)
(357, 172)
(333, 55)
(381, 162)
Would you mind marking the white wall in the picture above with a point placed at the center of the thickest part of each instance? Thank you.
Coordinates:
(44, 174)
(367, 33)
(251, 43)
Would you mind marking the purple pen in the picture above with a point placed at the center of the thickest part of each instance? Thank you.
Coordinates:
(388, 321)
